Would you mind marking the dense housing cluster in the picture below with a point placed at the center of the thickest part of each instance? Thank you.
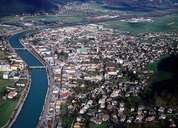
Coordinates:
(100, 74)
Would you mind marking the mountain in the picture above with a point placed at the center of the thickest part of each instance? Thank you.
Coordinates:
(8, 7)
(140, 5)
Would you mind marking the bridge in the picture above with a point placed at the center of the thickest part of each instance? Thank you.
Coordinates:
(37, 67)
(20, 48)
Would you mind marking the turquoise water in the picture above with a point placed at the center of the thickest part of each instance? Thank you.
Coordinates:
(32, 108)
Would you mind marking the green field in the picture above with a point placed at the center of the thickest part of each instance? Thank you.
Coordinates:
(7, 106)
(167, 23)
(53, 18)
(47, 18)
(9, 19)
(6, 109)
(4, 84)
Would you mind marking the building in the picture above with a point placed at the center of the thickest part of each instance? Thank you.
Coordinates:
(6, 75)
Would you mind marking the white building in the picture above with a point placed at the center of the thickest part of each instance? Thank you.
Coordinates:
(6, 75)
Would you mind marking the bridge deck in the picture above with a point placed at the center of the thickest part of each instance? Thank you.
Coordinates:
(37, 67)
(20, 48)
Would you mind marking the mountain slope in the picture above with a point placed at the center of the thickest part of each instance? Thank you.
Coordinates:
(140, 5)
(8, 7)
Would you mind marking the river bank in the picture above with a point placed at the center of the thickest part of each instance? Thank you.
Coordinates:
(20, 101)
(34, 101)
(18, 106)
(50, 85)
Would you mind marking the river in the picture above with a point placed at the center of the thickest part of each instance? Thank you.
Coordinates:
(33, 105)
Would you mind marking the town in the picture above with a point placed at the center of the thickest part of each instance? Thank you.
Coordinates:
(88, 64)
(100, 74)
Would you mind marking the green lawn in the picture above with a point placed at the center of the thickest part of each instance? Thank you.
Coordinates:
(6, 109)
(4, 84)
